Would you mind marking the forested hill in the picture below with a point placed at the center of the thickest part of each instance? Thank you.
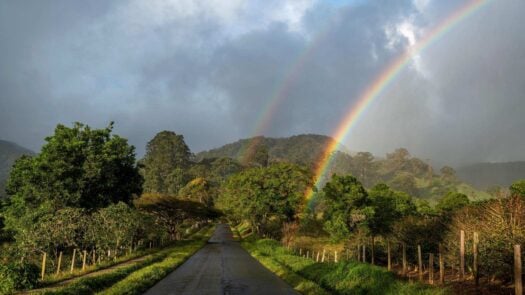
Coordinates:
(9, 152)
(302, 149)
(398, 169)
(486, 175)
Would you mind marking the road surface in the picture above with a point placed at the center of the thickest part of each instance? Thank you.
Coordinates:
(221, 267)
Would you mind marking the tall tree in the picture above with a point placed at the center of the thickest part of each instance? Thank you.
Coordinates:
(265, 195)
(167, 158)
(77, 167)
(346, 203)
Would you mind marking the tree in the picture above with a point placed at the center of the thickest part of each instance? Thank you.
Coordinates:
(346, 203)
(266, 197)
(388, 206)
(197, 190)
(518, 188)
(405, 182)
(170, 212)
(167, 158)
(397, 161)
(452, 201)
(363, 166)
(77, 167)
(114, 226)
(448, 173)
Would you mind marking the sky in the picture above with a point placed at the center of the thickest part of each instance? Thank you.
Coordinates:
(208, 69)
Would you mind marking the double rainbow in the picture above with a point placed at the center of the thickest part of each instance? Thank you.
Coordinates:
(379, 84)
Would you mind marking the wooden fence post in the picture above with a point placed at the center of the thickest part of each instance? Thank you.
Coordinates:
(364, 253)
(307, 254)
(475, 253)
(59, 264)
(94, 257)
(404, 259)
(300, 251)
(431, 268)
(420, 262)
(441, 265)
(317, 258)
(84, 261)
(372, 249)
(335, 256)
(518, 284)
(358, 253)
(73, 260)
(322, 258)
(389, 256)
(461, 255)
(43, 266)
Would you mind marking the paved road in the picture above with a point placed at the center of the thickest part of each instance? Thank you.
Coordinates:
(221, 267)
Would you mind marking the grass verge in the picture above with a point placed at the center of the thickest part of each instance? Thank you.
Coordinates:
(175, 255)
(346, 277)
(140, 281)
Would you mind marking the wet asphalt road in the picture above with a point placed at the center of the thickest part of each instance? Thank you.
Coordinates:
(221, 267)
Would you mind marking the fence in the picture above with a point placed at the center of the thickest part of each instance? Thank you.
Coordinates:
(431, 263)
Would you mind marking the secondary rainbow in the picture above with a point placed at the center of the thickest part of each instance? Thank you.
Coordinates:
(282, 90)
(381, 82)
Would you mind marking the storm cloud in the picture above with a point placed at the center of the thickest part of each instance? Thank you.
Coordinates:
(207, 69)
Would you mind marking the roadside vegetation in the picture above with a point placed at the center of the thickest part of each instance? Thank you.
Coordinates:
(345, 277)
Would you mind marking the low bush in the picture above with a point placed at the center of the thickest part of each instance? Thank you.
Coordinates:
(17, 276)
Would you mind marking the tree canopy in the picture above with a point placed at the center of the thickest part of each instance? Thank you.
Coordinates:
(265, 195)
(165, 163)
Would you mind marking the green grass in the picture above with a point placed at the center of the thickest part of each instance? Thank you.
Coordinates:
(346, 277)
(140, 281)
(139, 276)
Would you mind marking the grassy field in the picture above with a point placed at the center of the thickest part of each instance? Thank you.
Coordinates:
(139, 276)
(346, 277)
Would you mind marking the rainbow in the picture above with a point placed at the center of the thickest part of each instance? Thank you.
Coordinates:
(281, 92)
(379, 84)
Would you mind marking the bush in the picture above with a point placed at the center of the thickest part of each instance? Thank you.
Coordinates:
(17, 277)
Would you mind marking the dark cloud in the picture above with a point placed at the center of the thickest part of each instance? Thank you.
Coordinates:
(208, 70)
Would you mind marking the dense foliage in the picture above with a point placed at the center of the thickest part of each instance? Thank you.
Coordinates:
(266, 196)
(167, 158)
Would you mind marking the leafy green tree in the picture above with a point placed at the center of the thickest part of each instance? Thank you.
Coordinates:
(77, 167)
(388, 206)
(452, 201)
(265, 196)
(518, 188)
(167, 158)
(114, 226)
(346, 203)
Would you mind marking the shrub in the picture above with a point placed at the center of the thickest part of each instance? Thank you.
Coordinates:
(17, 277)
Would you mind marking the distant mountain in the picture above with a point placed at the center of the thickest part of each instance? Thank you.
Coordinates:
(9, 152)
(399, 169)
(302, 149)
(485, 175)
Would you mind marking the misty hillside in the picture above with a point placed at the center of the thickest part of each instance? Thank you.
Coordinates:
(9, 152)
(486, 175)
(398, 169)
(302, 149)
